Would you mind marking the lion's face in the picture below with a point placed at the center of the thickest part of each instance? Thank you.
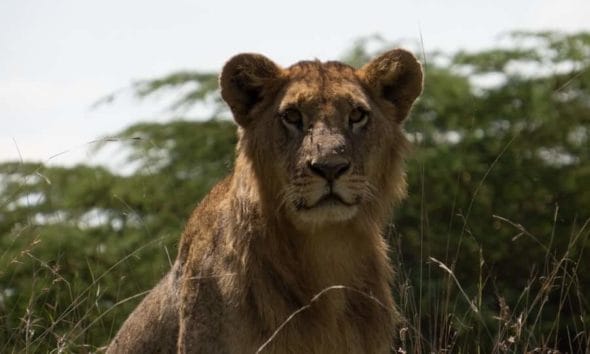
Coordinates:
(326, 125)
(324, 138)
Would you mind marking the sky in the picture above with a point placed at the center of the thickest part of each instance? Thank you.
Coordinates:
(57, 58)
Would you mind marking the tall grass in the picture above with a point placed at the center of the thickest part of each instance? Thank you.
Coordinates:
(447, 318)
(441, 314)
(52, 304)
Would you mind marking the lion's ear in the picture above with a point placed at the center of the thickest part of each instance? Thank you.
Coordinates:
(395, 76)
(244, 80)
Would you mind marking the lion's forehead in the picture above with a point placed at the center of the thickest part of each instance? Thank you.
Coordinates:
(317, 69)
(316, 85)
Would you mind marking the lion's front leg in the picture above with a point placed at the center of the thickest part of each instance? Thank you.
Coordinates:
(153, 325)
(201, 314)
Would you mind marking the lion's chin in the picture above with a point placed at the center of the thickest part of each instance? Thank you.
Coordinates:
(326, 213)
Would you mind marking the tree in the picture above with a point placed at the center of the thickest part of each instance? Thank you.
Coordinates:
(76, 241)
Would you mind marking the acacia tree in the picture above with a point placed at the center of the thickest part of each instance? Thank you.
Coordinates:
(80, 244)
(499, 195)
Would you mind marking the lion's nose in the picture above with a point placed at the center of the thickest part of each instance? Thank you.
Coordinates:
(330, 170)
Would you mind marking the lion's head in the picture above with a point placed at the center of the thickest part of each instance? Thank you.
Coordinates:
(324, 139)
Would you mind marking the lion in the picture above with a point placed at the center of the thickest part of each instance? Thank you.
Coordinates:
(286, 254)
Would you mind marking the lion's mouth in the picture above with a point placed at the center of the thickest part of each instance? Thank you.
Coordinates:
(327, 200)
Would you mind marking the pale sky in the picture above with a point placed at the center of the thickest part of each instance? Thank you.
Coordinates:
(58, 57)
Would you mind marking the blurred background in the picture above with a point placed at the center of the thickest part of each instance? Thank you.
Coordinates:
(112, 129)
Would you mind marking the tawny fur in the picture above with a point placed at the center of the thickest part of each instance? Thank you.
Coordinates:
(263, 243)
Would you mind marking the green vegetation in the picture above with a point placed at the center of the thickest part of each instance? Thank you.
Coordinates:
(490, 246)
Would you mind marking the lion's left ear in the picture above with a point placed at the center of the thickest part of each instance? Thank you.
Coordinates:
(395, 76)
(244, 80)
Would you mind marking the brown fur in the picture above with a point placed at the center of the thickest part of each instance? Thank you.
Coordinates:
(318, 169)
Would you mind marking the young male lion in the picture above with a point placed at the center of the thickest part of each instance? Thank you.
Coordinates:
(286, 254)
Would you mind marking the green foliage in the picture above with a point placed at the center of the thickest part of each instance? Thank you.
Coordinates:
(76, 241)
(490, 245)
(498, 193)
(198, 87)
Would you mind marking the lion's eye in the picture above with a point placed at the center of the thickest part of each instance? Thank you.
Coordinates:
(358, 118)
(292, 118)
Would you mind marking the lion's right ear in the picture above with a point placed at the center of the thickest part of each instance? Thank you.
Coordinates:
(244, 80)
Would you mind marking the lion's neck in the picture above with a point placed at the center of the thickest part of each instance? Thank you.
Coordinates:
(288, 266)
(322, 256)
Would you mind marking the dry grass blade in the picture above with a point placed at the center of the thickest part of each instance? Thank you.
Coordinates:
(314, 299)
(448, 270)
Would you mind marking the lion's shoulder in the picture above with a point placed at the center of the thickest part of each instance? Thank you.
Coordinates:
(204, 222)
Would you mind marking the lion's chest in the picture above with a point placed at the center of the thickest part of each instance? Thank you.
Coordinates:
(334, 321)
(300, 332)
(291, 303)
